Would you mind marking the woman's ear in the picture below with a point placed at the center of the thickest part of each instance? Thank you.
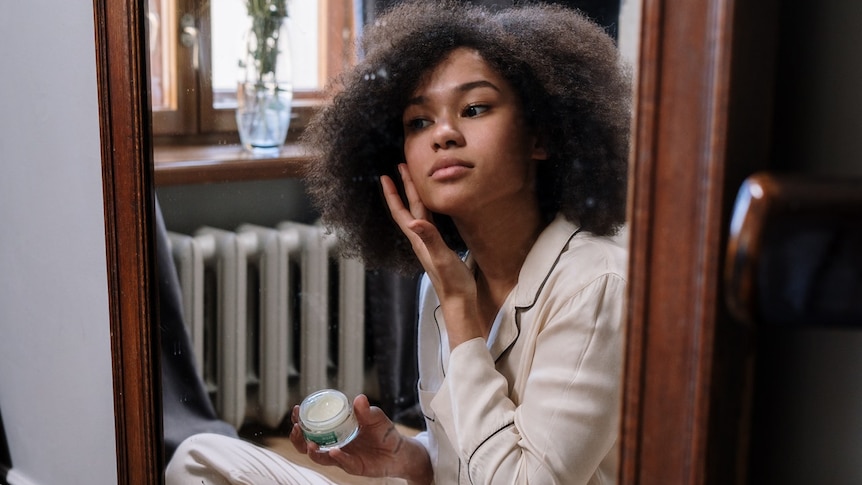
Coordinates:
(540, 151)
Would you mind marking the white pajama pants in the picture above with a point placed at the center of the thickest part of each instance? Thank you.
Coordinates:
(212, 459)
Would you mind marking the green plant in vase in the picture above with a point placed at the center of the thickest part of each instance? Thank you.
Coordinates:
(265, 89)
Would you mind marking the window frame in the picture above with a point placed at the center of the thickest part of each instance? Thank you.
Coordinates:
(193, 119)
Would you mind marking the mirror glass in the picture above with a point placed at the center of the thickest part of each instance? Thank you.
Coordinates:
(247, 328)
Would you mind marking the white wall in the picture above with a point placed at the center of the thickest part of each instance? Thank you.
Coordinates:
(55, 363)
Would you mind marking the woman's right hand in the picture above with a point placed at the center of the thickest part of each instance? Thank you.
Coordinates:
(379, 449)
(453, 281)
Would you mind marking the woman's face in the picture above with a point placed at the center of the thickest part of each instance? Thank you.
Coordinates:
(466, 145)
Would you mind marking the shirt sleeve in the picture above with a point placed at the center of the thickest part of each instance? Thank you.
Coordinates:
(563, 421)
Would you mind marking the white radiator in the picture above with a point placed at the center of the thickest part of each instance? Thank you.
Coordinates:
(256, 352)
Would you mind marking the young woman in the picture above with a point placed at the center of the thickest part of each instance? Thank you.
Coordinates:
(489, 150)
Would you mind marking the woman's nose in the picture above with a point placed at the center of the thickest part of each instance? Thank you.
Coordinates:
(447, 134)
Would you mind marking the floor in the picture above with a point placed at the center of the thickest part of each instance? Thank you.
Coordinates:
(283, 447)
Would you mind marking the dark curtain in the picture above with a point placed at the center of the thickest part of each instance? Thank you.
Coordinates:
(604, 12)
(186, 405)
(391, 320)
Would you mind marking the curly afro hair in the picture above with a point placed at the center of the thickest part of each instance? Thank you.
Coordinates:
(572, 83)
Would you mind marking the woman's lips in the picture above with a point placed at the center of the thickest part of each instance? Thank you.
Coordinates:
(449, 169)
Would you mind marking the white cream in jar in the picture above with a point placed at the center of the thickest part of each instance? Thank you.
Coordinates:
(326, 418)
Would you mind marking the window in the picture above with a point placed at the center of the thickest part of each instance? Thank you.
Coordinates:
(194, 49)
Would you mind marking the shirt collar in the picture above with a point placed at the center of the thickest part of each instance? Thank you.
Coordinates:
(540, 261)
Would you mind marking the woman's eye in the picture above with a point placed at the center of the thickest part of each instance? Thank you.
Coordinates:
(417, 124)
(475, 110)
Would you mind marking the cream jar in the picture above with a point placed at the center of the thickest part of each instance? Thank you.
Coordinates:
(326, 418)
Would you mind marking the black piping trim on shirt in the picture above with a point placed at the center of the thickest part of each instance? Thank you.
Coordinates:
(433, 420)
(506, 426)
(519, 309)
(548, 274)
(439, 339)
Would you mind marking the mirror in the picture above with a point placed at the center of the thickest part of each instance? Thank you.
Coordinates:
(654, 388)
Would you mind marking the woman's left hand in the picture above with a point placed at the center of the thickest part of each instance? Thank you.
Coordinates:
(379, 450)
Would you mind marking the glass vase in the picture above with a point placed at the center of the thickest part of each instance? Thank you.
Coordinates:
(265, 87)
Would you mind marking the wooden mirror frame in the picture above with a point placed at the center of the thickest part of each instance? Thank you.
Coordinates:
(127, 174)
(685, 375)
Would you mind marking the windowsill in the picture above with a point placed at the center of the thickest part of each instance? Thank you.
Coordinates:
(181, 165)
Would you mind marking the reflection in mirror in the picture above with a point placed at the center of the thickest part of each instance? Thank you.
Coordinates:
(207, 369)
(196, 47)
(257, 307)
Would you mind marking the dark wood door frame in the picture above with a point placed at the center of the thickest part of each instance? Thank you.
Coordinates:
(701, 126)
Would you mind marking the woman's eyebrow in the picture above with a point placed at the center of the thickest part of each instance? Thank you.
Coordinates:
(463, 88)
(477, 84)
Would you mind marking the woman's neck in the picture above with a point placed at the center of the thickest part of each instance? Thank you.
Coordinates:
(499, 247)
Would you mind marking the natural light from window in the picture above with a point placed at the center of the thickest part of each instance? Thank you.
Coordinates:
(229, 23)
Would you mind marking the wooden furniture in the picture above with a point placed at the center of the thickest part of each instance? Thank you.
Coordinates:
(705, 81)
(795, 252)
(223, 163)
